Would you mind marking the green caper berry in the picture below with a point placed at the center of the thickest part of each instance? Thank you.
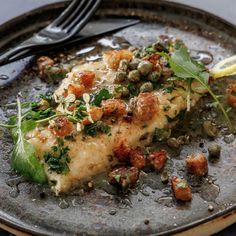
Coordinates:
(173, 143)
(120, 76)
(133, 65)
(210, 128)
(124, 92)
(53, 70)
(146, 87)
(166, 72)
(154, 76)
(134, 76)
(123, 65)
(145, 67)
(158, 46)
(214, 150)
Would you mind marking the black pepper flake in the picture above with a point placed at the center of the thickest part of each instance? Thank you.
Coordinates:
(146, 222)
(112, 212)
(42, 195)
(201, 145)
(127, 118)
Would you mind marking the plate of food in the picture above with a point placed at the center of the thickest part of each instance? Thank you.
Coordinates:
(130, 133)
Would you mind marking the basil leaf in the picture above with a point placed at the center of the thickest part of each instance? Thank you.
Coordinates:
(23, 158)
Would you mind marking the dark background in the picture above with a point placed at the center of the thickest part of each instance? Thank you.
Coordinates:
(223, 8)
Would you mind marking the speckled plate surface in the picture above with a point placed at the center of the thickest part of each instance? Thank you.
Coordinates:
(151, 208)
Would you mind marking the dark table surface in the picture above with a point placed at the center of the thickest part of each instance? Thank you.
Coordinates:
(223, 8)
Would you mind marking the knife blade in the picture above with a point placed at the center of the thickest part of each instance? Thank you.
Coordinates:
(94, 28)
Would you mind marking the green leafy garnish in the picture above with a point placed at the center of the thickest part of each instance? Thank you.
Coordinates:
(94, 128)
(103, 94)
(58, 158)
(46, 97)
(41, 114)
(80, 112)
(23, 158)
(185, 69)
(160, 134)
(169, 89)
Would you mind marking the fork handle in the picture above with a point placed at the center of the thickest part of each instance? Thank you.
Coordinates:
(5, 57)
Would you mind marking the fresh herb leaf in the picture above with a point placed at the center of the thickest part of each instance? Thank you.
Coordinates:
(23, 158)
(58, 158)
(103, 94)
(46, 97)
(94, 128)
(81, 112)
(160, 134)
(41, 114)
(185, 68)
(169, 89)
(91, 129)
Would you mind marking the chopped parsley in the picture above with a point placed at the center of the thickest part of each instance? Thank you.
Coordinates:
(46, 97)
(80, 112)
(41, 114)
(58, 158)
(103, 94)
(94, 128)
(169, 89)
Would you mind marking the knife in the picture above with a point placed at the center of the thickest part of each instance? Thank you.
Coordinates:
(13, 70)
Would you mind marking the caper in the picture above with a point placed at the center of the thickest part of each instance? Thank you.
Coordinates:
(123, 65)
(134, 76)
(121, 92)
(214, 150)
(146, 87)
(145, 67)
(160, 47)
(53, 70)
(133, 65)
(173, 143)
(120, 76)
(43, 104)
(210, 128)
(164, 177)
(67, 67)
(166, 72)
(125, 92)
(154, 76)
(183, 139)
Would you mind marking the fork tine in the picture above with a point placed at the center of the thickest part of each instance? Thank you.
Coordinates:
(83, 17)
(61, 18)
(73, 14)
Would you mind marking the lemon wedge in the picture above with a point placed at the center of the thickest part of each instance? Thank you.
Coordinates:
(225, 67)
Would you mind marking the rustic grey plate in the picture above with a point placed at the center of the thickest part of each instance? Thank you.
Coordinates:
(151, 208)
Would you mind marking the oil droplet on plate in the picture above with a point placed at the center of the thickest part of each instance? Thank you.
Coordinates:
(4, 77)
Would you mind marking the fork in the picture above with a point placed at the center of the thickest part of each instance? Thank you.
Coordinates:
(63, 28)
